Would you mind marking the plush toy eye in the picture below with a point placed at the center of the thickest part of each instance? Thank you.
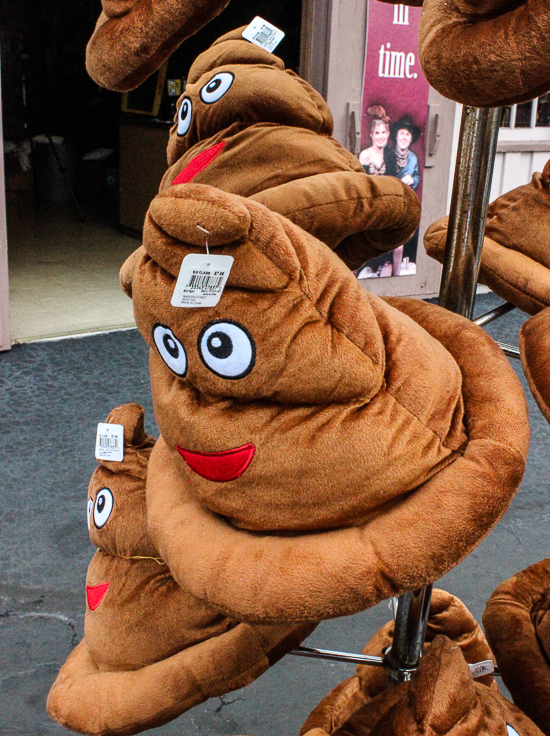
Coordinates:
(227, 349)
(90, 507)
(217, 87)
(171, 350)
(103, 507)
(511, 731)
(184, 116)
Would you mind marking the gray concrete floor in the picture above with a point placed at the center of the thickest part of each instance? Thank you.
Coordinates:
(51, 397)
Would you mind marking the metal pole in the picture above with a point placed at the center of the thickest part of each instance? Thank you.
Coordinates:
(471, 188)
(472, 185)
(411, 620)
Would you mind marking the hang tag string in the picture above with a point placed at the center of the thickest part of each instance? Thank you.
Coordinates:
(206, 239)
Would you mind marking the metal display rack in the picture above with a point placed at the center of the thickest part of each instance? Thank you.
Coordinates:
(470, 199)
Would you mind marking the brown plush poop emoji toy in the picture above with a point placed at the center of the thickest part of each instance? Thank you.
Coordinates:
(150, 649)
(534, 348)
(517, 622)
(448, 616)
(247, 125)
(307, 426)
(515, 260)
(441, 699)
(133, 38)
(486, 53)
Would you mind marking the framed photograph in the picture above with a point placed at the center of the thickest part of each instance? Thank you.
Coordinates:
(146, 99)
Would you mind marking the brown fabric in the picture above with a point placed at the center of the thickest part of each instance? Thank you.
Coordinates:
(448, 616)
(534, 348)
(515, 260)
(517, 622)
(336, 371)
(276, 130)
(150, 649)
(441, 698)
(133, 38)
(487, 53)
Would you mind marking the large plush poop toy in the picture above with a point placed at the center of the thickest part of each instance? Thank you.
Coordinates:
(515, 260)
(247, 125)
(517, 622)
(534, 348)
(321, 450)
(486, 53)
(448, 616)
(133, 38)
(150, 650)
(441, 699)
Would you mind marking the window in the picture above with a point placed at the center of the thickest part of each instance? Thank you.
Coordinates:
(534, 114)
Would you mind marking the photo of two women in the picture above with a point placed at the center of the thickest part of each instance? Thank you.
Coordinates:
(390, 154)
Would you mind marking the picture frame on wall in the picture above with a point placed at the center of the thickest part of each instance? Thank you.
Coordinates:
(146, 99)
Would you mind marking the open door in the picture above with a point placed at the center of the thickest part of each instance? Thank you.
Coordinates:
(5, 340)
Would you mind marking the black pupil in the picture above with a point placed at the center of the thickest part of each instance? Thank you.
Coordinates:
(184, 109)
(219, 345)
(101, 503)
(213, 85)
(170, 345)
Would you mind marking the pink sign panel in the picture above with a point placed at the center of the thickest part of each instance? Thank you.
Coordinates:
(394, 113)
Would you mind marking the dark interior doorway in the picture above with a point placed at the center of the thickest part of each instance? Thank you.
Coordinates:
(63, 273)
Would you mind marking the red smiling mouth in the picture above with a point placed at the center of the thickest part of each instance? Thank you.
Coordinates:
(95, 594)
(198, 163)
(219, 466)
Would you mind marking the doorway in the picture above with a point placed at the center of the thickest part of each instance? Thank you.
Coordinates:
(63, 272)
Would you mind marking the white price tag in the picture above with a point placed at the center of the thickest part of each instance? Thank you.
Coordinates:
(109, 442)
(263, 34)
(201, 280)
(482, 668)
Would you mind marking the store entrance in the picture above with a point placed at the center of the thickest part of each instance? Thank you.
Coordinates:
(65, 135)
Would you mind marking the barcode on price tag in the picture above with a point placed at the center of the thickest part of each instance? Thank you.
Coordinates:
(263, 34)
(201, 280)
(109, 442)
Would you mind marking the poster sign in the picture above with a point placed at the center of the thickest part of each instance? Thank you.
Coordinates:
(394, 113)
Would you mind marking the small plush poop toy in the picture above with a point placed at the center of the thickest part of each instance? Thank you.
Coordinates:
(515, 260)
(133, 38)
(247, 125)
(441, 699)
(150, 649)
(308, 426)
(486, 53)
(448, 616)
(517, 623)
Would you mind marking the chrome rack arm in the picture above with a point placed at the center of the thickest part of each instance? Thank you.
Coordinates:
(492, 314)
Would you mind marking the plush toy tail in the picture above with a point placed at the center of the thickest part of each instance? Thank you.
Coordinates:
(360, 216)
(133, 40)
(88, 701)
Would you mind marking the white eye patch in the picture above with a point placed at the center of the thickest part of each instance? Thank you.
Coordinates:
(170, 349)
(103, 507)
(217, 87)
(227, 349)
(89, 512)
(185, 116)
